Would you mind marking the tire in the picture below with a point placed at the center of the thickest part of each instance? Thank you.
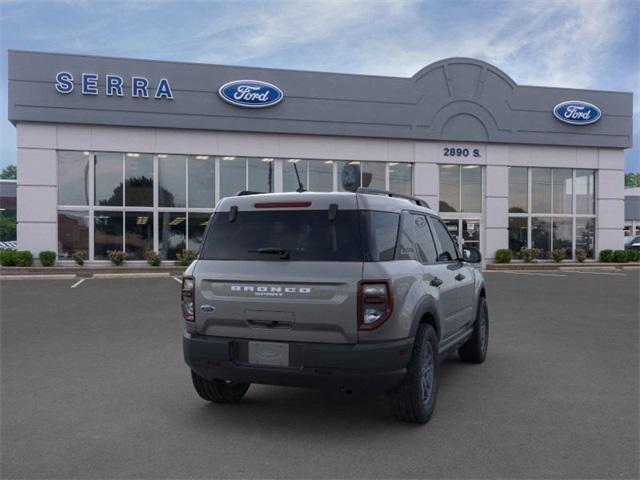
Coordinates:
(475, 349)
(414, 400)
(219, 391)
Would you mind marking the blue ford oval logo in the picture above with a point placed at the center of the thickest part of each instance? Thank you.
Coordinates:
(577, 112)
(251, 93)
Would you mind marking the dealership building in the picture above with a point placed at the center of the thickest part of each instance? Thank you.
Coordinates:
(133, 155)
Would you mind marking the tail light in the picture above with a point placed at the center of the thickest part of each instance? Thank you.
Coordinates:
(375, 303)
(186, 298)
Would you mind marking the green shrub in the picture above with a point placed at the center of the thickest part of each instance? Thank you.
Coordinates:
(117, 257)
(620, 256)
(153, 258)
(503, 255)
(606, 255)
(558, 255)
(80, 256)
(47, 258)
(186, 257)
(581, 254)
(24, 258)
(633, 255)
(526, 254)
(8, 258)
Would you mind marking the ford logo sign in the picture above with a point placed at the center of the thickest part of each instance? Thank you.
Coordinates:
(250, 93)
(577, 112)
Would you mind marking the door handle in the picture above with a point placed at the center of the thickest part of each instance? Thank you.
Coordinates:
(436, 282)
(459, 277)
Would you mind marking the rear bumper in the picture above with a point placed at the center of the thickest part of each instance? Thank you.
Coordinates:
(371, 367)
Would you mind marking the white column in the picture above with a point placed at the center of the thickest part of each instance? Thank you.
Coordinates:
(610, 200)
(496, 209)
(37, 188)
(426, 177)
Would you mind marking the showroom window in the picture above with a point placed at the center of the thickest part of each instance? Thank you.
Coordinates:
(394, 176)
(139, 201)
(551, 208)
(460, 188)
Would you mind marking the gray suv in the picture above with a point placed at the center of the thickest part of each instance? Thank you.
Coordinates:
(352, 291)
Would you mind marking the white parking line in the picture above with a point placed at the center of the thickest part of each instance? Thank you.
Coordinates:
(598, 273)
(78, 283)
(531, 273)
(179, 280)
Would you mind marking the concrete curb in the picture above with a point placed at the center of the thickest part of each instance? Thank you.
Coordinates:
(89, 272)
(497, 267)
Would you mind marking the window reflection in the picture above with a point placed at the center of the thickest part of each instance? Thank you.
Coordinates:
(108, 179)
(517, 235)
(562, 190)
(562, 235)
(73, 178)
(541, 235)
(197, 225)
(585, 235)
(471, 191)
(518, 190)
(541, 190)
(289, 178)
(233, 176)
(260, 174)
(585, 191)
(138, 171)
(171, 179)
(73, 233)
(373, 175)
(172, 231)
(202, 182)
(107, 233)
(320, 175)
(449, 188)
(138, 234)
(400, 177)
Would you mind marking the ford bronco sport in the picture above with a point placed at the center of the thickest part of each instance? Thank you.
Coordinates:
(353, 291)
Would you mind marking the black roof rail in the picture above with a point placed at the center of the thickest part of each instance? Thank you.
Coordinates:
(242, 193)
(375, 191)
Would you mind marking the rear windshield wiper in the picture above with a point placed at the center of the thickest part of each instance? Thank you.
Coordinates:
(283, 252)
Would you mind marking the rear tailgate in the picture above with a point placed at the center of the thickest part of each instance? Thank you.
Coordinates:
(278, 301)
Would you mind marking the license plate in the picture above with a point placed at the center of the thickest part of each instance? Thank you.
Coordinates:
(269, 353)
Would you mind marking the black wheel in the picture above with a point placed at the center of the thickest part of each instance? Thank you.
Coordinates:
(219, 391)
(475, 349)
(415, 398)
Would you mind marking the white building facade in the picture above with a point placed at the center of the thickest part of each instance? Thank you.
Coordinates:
(112, 170)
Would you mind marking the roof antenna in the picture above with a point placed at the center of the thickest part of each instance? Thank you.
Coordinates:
(300, 188)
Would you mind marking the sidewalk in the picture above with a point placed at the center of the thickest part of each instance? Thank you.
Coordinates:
(90, 271)
(540, 265)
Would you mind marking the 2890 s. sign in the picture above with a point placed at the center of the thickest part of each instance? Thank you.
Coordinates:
(250, 93)
(577, 112)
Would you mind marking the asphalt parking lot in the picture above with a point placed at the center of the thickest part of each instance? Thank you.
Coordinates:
(94, 386)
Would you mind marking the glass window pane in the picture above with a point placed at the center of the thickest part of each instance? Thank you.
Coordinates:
(172, 188)
(382, 231)
(585, 235)
(138, 176)
(471, 188)
(233, 176)
(172, 232)
(449, 188)
(471, 233)
(541, 235)
(202, 181)
(541, 190)
(517, 235)
(373, 175)
(448, 249)
(260, 174)
(518, 190)
(138, 237)
(562, 235)
(289, 178)
(197, 225)
(108, 179)
(562, 190)
(73, 233)
(320, 175)
(73, 178)
(107, 232)
(585, 191)
(400, 177)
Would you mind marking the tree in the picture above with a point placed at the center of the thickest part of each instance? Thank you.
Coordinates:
(632, 180)
(9, 172)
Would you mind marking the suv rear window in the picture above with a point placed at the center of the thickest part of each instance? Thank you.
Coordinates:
(305, 235)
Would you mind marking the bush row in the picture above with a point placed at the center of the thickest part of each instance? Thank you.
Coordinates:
(504, 255)
(24, 258)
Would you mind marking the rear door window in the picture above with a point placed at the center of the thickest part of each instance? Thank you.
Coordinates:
(381, 234)
(305, 235)
(416, 242)
(447, 251)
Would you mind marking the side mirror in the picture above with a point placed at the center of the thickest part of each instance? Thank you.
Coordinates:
(471, 255)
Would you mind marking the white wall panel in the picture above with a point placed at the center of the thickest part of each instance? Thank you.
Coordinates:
(497, 181)
(610, 214)
(307, 146)
(37, 237)
(495, 238)
(188, 142)
(36, 204)
(400, 150)
(426, 180)
(496, 214)
(610, 184)
(36, 135)
(612, 158)
(73, 137)
(123, 139)
(37, 167)
(250, 145)
(361, 149)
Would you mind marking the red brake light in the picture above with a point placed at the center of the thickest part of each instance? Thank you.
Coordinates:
(375, 303)
(186, 299)
(282, 204)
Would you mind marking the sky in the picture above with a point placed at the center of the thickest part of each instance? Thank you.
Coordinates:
(565, 43)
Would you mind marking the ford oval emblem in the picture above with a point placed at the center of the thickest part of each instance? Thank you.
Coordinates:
(208, 308)
(577, 112)
(251, 93)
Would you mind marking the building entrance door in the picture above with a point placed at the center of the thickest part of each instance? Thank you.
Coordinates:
(465, 231)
